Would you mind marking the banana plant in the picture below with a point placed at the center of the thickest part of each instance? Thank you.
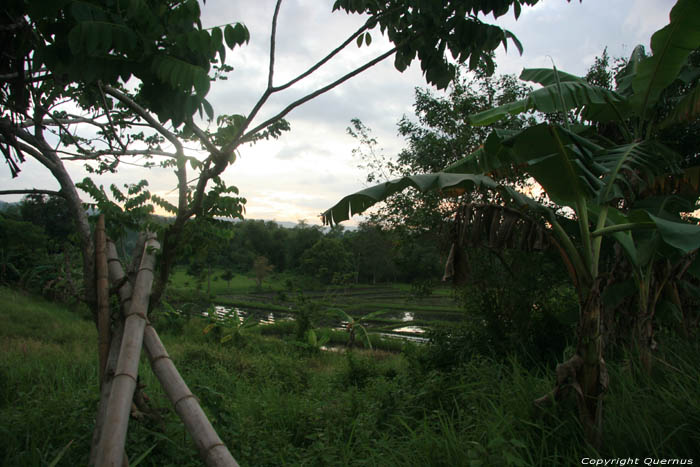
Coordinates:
(592, 175)
(232, 324)
(357, 323)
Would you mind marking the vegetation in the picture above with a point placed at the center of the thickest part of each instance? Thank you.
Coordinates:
(589, 181)
(276, 402)
(605, 178)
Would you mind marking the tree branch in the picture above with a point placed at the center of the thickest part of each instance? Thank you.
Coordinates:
(269, 90)
(109, 119)
(204, 138)
(247, 136)
(108, 152)
(325, 60)
(30, 145)
(33, 191)
(143, 113)
(65, 121)
(272, 44)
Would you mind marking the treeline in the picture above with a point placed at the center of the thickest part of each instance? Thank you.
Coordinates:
(369, 254)
(39, 251)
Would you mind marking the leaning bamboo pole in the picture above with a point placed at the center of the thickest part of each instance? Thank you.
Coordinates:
(102, 283)
(110, 452)
(212, 450)
(105, 390)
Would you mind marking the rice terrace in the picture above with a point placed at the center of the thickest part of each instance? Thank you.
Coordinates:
(349, 233)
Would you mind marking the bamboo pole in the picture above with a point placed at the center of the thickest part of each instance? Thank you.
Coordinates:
(105, 390)
(110, 451)
(103, 321)
(211, 448)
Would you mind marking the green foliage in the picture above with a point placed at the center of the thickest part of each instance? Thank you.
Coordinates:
(24, 246)
(274, 403)
(440, 136)
(327, 258)
(228, 326)
(428, 30)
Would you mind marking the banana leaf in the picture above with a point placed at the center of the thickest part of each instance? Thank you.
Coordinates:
(445, 182)
(574, 92)
(670, 47)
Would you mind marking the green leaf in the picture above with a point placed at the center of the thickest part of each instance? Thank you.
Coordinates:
(688, 109)
(615, 294)
(491, 156)
(143, 456)
(208, 109)
(236, 35)
(360, 40)
(670, 48)
(558, 161)
(368, 38)
(623, 238)
(60, 455)
(229, 36)
(645, 158)
(217, 38)
(575, 92)
(684, 237)
(625, 77)
(362, 200)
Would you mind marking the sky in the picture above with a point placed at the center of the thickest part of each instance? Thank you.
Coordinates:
(311, 167)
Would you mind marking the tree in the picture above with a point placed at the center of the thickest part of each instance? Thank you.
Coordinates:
(373, 256)
(228, 276)
(441, 136)
(91, 75)
(588, 173)
(327, 259)
(261, 268)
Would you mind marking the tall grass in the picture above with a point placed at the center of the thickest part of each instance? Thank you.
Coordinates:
(276, 403)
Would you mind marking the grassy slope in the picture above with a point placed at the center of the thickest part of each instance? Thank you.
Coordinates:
(275, 403)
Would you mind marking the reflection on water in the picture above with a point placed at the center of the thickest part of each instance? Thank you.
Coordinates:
(262, 317)
(411, 329)
(405, 337)
(410, 333)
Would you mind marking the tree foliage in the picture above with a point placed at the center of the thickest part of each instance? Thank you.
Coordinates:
(605, 182)
(440, 137)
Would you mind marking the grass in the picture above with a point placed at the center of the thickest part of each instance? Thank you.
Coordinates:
(276, 402)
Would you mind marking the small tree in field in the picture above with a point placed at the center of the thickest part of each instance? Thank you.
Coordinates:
(261, 268)
(227, 276)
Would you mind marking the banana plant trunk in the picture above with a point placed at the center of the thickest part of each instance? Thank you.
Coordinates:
(591, 376)
(585, 373)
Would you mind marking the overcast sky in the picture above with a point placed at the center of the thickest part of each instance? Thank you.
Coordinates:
(311, 167)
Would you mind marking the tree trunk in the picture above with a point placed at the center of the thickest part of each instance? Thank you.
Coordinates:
(209, 280)
(585, 373)
(592, 378)
(111, 447)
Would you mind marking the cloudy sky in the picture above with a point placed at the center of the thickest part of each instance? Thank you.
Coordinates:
(311, 167)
